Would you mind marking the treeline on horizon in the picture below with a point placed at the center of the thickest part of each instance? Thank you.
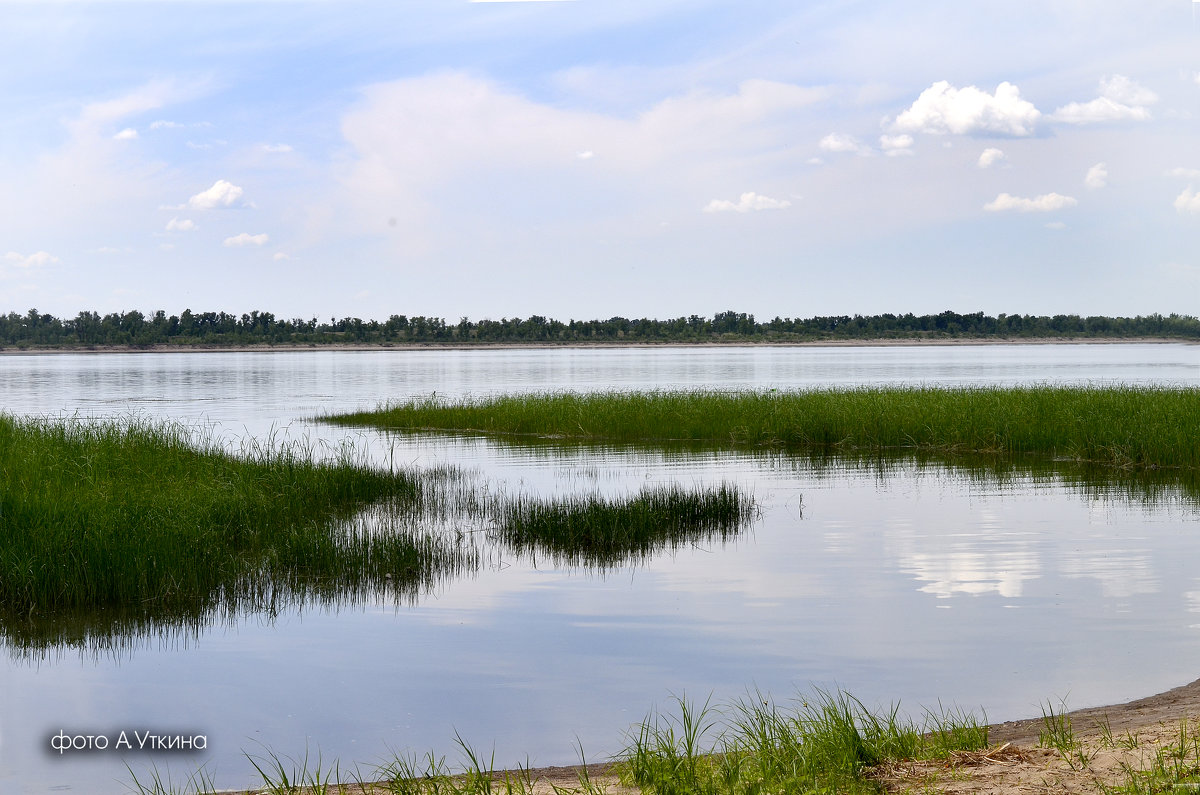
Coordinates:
(202, 329)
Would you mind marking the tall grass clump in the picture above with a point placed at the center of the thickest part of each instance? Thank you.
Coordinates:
(1123, 426)
(826, 743)
(130, 514)
(593, 530)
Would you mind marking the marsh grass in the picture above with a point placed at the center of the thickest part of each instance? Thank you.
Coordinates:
(115, 531)
(1120, 426)
(131, 513)
(598, 531)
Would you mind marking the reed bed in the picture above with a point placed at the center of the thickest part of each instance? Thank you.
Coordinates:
(116, 532)
(596, 531)
(1119, 426)
(132, 514)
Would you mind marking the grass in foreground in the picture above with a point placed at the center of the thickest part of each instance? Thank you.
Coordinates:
(827, 743)
(1124, 426)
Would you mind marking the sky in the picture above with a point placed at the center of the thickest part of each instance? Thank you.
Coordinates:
(599, 158)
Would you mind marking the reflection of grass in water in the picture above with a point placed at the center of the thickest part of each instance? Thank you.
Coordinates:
(1122, 426)
(117, 514)
(111, 533)
(598, 531)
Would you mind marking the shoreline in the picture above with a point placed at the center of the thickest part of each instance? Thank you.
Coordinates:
(1013, 763)
(882, 342)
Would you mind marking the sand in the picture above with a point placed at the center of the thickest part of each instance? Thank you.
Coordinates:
(1112, 740)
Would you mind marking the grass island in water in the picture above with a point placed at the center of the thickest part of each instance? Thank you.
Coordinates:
(124, 528)
(1123, 426)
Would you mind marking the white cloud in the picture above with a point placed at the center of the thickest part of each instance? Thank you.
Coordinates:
(748, 202)
(128, 134)
(1045, 203)
(246, 239)
(1186, 173)
(942, 109)
(894, 145)
(37, 260)
(181, 225)
(280, 256)
(221, 194)
(841, 142)
(990, 157)
(1056, 225)
(1121, 99)
(1097, 176)
(585, 155)
(277, 148)
(1188, 201)
(415, 141)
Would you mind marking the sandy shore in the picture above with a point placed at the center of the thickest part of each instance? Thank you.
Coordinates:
(508, 346)
(1112, 741)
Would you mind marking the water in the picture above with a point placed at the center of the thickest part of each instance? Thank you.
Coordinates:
(914, 583)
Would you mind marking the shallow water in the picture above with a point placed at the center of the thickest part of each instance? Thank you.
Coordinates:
(909, 582)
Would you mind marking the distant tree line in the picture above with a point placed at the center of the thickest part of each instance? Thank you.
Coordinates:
(213, 329)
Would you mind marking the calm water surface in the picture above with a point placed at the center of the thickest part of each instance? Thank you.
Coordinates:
(911, 583)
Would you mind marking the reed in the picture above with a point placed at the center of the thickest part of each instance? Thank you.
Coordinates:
(132, 514)
(596, 531)
(114, 533)
(1119, 426)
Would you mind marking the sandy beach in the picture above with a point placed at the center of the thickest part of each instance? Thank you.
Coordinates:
(1112, 740)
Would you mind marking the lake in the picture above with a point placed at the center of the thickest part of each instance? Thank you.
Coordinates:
(895, 580)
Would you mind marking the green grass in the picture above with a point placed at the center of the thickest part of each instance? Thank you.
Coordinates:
(1124, 426)
(105, 514)
(828, 742)
(596, 531)
(111, 531)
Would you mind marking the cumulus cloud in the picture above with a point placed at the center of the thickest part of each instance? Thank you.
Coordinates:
(942, 109)
(181, 225)
(280, 256)
(1188, 201)
(841, 142)
(748, 202)
(163, 124)
(246, 239)
(1187, 173)
(990, 157)
(128, 134)
(36, 260)
(221, 194)
(895, 145)
(1121, 99)
(1097, 176)
(1045, 203)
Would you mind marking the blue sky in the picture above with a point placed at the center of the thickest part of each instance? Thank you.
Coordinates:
(592, 158)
